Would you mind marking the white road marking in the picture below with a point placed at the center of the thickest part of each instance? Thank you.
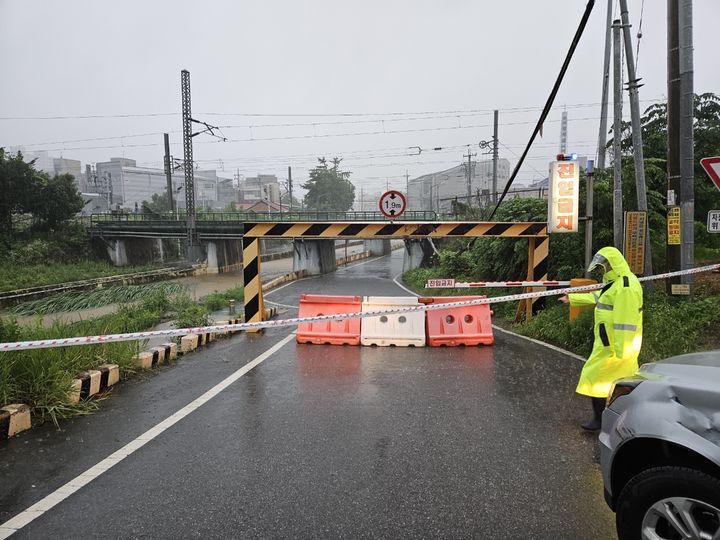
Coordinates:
(281, 305)
(395, 280)
(39, 508)
(538, 342)
(369, 260)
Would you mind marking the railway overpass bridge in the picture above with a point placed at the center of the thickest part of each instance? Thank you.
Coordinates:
(232, 240)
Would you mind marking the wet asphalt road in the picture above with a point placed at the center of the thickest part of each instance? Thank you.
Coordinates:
(332, 442)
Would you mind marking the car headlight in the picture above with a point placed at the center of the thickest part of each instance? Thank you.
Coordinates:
(622, 388)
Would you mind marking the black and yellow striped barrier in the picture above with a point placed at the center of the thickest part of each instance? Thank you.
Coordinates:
(536, 232)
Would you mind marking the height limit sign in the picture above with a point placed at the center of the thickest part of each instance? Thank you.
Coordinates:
(392, 204)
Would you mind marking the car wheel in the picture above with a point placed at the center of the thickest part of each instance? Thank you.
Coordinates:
(669, 503)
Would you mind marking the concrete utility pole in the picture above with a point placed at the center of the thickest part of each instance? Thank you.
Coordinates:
(638, 155)
(469, 176)
(681, 189)
(495, 156)
(168, 173)
(604, 100)
(617, 129)
(589, 173)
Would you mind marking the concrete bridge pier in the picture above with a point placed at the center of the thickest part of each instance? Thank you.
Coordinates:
(223, 256)
(314, 256)
(377, 247)
(418, 252)
(117, 250)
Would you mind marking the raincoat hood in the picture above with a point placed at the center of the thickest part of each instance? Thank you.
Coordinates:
(618, 265)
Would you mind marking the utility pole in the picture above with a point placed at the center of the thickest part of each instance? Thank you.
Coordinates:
(290, 187)
(469, 176)
(633, 85)
(589, 172)
(193, 246)
(681, 190)
(407, 184)
(563, 133)
(495, 156)
(362, 199)
(168, 173)
(606, 79)
(617, 128)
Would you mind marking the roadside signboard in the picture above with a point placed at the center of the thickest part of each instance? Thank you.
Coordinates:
(680, 289)
(673, 226)
(713, 224)
(635, 234)
(440, 283)
(392, 204)
(712, 168)
(563, 196)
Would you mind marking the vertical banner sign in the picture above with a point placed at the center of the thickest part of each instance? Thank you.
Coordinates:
(635, 224)
(563, 196)
(673, 226)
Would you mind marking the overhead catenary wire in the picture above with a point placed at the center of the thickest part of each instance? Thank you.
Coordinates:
(506, 110)
(551, 99)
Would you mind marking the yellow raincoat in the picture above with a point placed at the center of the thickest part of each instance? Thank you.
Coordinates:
(618, 327)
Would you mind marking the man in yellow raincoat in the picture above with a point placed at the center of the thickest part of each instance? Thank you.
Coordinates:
(618, 329)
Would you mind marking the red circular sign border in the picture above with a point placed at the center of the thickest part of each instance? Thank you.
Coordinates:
(402, 198)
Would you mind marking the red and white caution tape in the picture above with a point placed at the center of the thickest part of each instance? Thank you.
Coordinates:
(135, 336)
(452, 284)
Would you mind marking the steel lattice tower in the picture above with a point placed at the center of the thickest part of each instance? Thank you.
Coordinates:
(188, 160)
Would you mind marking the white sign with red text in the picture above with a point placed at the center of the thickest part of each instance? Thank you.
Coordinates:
(563, 197)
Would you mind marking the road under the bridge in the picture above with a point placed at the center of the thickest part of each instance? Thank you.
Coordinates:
(321, 441)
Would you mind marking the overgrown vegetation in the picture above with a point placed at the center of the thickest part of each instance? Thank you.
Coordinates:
(21, 276)
(42, 378)
(75, 300)
(219, 300)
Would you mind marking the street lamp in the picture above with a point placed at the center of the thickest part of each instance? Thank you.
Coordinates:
(177, 191)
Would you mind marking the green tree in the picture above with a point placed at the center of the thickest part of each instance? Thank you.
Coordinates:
(19, 183)
(51, 200)
(58, 200)
(158, 204)
(329, 188)
(654, 132)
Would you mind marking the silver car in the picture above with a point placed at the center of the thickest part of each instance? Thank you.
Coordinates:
(660, 449)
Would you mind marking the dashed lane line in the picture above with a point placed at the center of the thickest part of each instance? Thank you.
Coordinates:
(39, 508)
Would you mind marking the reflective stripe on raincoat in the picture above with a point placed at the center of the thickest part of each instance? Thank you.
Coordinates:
(618, 327)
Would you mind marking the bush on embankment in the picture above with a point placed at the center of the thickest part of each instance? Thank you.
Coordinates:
(42, 378)
(15, 276)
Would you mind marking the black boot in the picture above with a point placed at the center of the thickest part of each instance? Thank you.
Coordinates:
(598, 406)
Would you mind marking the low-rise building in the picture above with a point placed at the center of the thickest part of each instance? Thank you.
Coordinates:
(436, 191)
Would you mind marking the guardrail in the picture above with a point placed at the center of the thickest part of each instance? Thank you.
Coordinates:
(251, 217)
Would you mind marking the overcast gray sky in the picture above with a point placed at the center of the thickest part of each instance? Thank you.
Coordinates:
(291, 59)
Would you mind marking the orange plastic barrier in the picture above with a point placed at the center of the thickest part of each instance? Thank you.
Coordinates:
(345, 332)
(575, 311)
(467, 325)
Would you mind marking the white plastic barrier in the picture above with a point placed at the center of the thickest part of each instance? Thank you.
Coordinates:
(401, 329)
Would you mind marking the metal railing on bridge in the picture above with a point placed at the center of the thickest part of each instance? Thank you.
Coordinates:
(251, 217)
